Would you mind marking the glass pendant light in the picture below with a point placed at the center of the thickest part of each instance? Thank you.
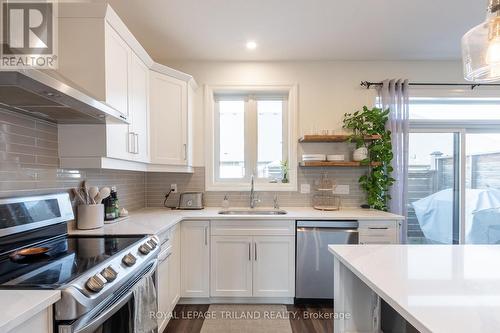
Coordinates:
(481, 48)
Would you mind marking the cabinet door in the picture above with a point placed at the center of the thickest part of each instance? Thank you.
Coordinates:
(162, 289)
(274, 266)
(118, 138)
(195, 258)
(174, 273)
(138, 106)
(168, 112)
(116, 65)
(231, 266)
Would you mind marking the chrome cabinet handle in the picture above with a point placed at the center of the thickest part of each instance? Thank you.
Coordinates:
(206, 235)
(255, 250)
(378, 228)
(249, 251)
(131, 142)
(185, 152)
(137, 143)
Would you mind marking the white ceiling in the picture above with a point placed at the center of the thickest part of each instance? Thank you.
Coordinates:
(301, 29)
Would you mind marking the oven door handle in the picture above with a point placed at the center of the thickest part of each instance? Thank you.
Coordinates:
(89, 323)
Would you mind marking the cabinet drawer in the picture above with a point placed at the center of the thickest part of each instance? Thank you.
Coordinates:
(252, 228)
(378, 232)
(388, 238)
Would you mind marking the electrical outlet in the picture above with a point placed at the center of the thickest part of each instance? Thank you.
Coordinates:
(341, 189)
(173, 187)
(305, 188)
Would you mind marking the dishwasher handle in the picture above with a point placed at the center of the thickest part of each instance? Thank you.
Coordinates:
(328, 224)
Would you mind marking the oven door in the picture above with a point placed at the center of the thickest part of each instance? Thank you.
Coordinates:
(115, 314)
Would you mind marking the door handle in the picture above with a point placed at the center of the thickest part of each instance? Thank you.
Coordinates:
(249, 251)
(255, 250)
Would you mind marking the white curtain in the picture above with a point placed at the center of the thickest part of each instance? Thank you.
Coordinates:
(393, 94)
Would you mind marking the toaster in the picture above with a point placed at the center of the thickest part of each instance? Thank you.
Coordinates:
(191, 200)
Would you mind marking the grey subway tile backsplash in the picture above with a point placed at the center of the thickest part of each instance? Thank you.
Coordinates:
(29, 164)
(157, 184)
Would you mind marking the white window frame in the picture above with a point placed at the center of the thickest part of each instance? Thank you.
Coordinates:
(212, 183)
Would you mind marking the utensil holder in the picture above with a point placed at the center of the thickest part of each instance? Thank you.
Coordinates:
(90, 216)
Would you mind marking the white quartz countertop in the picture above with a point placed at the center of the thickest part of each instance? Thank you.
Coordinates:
(437, 288)
(155, 220)
(17, 306)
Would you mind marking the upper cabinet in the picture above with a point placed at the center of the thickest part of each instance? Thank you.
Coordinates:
(100, 56)
(169, 118)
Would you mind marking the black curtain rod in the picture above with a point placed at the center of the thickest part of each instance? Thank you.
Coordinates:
(368, 84)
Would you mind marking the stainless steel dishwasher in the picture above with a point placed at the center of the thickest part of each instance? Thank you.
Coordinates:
(314, 264)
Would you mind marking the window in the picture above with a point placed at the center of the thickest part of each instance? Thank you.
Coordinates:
(251, 133)
(454, 170)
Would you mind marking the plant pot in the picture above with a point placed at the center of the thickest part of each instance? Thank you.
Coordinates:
(360, 154)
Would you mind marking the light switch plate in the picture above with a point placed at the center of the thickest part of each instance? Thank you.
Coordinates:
(305, 188)
(341, 189)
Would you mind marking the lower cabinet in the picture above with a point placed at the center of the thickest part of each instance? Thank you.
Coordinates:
(168, 277)
(274, 266)
(379, 232)
(195, 258)
(252, 265)
(42, 322)
(231, 266)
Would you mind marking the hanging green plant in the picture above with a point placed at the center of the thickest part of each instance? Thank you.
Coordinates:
(378, 180)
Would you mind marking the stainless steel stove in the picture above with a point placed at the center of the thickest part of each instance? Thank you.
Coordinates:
(96, 275)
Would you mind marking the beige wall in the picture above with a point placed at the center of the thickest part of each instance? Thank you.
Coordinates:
(326, 89)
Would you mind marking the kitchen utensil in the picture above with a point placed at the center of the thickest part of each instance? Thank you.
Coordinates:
(85, 192)
(191, 200)
(90, 216)
(103, 194)
(93, 191)
(78, 196)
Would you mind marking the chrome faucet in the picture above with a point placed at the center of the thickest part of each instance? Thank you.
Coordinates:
(253, 199)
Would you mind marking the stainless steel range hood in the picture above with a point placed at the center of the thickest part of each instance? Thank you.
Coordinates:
(41, 95)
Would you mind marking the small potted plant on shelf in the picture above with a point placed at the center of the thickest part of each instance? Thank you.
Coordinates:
(284, 171)
(364, 124)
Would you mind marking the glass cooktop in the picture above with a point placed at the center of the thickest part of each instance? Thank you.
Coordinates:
(67, 258)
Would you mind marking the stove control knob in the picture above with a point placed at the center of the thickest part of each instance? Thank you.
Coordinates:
(109, 274)
(129, 259)
(152, 243)
(144, 249)
(95, 283)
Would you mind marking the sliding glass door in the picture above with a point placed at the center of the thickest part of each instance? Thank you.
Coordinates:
(482, 198)
(433, 187)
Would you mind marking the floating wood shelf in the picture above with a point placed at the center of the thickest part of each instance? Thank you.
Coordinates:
(335, 164)
(333, 138)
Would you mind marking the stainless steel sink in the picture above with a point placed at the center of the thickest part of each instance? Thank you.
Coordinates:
(252, 212)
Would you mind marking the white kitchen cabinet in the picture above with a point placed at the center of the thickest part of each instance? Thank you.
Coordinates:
(169, 119)
(138, 93)
(274, 266)
(99, 56)
(195, 258)
(231, 266)
(252, 258)
(116, 66)
(168, 276)
(379, 232)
